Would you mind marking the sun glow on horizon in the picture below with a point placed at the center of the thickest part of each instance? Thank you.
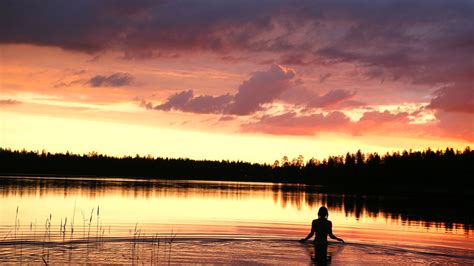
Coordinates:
(56, 134)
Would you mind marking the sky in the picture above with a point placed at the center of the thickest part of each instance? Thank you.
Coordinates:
(236, 80)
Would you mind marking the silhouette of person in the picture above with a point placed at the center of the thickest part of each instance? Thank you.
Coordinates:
(322, 227)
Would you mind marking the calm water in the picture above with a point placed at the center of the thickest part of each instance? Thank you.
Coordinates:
(126, 221)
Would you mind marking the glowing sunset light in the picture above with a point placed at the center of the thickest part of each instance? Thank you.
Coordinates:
(283, 132)
(249, 81)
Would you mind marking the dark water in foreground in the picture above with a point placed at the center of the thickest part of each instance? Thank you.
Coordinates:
(171, 222)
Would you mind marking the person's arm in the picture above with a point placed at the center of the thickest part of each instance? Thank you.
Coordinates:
(310, 234)
(332, 236)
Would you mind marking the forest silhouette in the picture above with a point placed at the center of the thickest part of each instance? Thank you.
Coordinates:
(411, 172)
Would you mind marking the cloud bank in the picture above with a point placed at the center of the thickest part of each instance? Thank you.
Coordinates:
(263, 87)
(427, 44)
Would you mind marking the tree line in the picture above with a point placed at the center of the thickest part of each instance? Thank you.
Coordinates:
(428, 171)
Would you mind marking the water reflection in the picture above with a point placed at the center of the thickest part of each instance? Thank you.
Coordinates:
(323, 254)
(448, 213)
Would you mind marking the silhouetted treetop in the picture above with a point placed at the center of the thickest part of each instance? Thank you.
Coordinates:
(447, 171)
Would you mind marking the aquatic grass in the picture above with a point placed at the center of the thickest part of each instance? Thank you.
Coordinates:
(72, 221)
(145, 248)
(97, 229)
(134, 243)
(155, 249)
(83, 224)
(16, 221)
(170, 242)
(90, 222)
(47, 234)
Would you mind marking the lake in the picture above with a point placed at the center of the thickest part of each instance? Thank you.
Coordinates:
(92, 220)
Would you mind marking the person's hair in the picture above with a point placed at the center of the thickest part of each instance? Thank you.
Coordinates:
(323, 212)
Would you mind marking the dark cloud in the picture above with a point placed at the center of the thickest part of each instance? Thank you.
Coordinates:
(386, 33)
(114, 80)
(427, 42)
(141, 26)
(458, 97)
(422, 42)
(177, 100)
(186, 102)
(261, 88)
(453, 107)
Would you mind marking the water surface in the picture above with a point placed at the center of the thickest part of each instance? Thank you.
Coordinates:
(61, 220)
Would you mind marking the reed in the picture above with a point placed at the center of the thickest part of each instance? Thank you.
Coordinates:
(97, 229)
(62, 229)
(90, 222)
(72, 221)
(134, 244)
(83, 224)
(47, 235)
(170, 242)
(155, 249)
(16, 222)
(145, 248)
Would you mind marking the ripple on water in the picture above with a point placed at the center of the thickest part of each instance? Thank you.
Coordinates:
(216, 250)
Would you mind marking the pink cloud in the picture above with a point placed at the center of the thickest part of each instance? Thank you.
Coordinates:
(292, 124)
(454, 98)
(449, 124)
(458, 125)
(9, 102)
(380, 122)
(453, 107)
(262, 87)
(373, 122)
(331, 98)
(338, 98)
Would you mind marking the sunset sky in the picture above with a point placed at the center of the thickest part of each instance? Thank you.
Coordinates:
(239, 80)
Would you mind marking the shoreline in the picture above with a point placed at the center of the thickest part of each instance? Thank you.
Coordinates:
(333, 189)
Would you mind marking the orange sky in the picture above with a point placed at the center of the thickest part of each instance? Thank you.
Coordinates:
(211, 86)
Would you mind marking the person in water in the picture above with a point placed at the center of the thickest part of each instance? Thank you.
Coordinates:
(322, 227)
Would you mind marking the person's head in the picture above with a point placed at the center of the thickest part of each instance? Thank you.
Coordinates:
(323, 212)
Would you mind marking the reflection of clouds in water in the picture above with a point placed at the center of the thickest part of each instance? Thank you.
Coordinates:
(426, 212)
